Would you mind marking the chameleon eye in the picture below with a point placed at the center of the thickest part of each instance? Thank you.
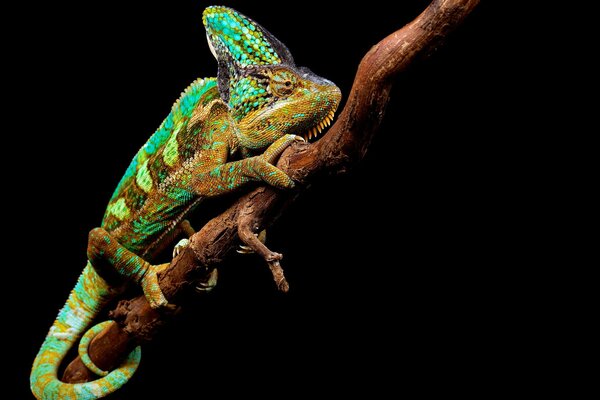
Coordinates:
(283, 83)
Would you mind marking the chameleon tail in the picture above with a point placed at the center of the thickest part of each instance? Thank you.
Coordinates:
(85, 301)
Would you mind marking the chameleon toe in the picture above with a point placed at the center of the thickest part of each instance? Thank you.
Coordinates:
(182, 244)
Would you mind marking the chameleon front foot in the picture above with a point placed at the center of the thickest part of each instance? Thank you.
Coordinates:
(273, 152)
(263, 166)
(182, 244)
(202, 285)
(151, 287)
(105, 253)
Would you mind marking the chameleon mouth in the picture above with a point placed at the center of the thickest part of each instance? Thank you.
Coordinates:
(318, 128)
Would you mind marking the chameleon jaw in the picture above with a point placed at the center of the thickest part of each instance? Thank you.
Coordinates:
(318, 128)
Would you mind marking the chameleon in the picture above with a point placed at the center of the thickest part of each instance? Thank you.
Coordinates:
(222, 133)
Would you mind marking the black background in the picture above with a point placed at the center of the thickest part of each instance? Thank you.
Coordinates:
(397, 269)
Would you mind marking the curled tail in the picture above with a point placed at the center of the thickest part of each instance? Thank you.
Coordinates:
(85, 301)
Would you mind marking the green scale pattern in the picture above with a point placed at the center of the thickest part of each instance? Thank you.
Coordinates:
(240, 35)
(180, 113)
(247, 94)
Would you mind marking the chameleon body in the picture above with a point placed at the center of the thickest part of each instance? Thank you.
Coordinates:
(222, 133)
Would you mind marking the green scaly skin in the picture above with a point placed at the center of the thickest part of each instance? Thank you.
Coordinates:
(222, 133)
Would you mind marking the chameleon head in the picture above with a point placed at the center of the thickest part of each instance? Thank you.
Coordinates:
(268, 95)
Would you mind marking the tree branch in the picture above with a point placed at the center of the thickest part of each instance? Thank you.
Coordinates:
(342, 146)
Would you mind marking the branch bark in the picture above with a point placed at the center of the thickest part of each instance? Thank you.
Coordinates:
(345, 143)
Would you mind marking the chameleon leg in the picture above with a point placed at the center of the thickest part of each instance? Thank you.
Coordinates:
(271, 155)
(187, 228)
(277, 147)
(229, 176)
(105, 253)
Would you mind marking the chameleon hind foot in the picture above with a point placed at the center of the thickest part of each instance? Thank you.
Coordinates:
(151, 287)
(108, 255)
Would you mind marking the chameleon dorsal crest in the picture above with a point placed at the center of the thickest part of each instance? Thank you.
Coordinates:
(268, 95)
(241, 46)
(236, 39)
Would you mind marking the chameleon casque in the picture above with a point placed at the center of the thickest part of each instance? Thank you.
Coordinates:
(222, 133)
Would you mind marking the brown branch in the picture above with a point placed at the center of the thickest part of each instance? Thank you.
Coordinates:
(342, 146)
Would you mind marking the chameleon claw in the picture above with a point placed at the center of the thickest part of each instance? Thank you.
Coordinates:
(204, 286)
(245, 249)
(182, 244)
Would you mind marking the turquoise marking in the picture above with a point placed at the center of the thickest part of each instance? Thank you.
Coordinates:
(84, 344)
(231, 32)
(162, 175)
(131, 169)
(246, 95)
(183, 107)
(87, 298)
(181, 195)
